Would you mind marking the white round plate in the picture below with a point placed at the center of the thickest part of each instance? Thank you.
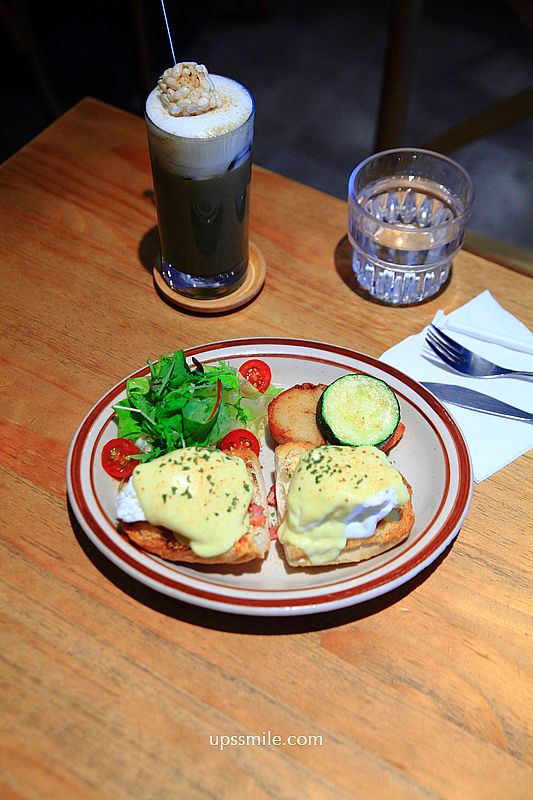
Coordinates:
(432, 455)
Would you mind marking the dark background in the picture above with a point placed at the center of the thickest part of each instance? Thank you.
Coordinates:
(315, 70)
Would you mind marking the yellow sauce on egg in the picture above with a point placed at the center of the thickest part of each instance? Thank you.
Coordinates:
(328, 484)
(198, 492)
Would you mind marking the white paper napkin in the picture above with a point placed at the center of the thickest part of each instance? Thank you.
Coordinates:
(493, 441)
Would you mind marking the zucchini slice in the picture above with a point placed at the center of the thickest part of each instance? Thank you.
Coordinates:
(358, 410)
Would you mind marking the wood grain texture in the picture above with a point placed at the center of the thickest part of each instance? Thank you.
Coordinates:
(112, 691)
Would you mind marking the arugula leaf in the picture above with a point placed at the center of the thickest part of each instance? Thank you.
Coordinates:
(224, 423)
(196, 422)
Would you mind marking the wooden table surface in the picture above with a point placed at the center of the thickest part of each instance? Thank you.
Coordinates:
(110, 690)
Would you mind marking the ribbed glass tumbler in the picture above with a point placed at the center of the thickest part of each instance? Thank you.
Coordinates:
(408, 211)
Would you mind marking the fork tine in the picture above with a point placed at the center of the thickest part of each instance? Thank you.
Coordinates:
(448, 359)
(447, 339)
(443, 345)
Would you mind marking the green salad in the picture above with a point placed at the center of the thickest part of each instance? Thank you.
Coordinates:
(177, 405)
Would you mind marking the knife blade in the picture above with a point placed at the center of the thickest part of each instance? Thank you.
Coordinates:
(468, 398)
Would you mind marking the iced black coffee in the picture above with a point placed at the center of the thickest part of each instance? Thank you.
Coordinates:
(200, 134)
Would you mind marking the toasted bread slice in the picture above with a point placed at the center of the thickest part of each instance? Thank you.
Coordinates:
(394, 439)
(389, 532)
(171, 546)
(292, 414)
(286, 458)
(292, 417)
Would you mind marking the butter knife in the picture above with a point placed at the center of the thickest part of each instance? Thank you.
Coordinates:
(468, 398)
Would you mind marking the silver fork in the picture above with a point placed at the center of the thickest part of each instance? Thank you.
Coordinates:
(464, 360)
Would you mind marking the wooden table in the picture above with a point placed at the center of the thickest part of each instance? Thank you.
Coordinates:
(110, 690)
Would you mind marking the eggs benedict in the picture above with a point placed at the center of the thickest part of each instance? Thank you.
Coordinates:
(339, 504)
(197, 504)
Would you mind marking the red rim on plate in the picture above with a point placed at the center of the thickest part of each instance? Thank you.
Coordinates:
(273, 590)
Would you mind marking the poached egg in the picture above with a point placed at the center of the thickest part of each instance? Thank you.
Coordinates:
(338, 493)
(199, 493)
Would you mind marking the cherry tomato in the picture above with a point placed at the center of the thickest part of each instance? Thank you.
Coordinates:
(241, 439)
(117, 458)
(258, 373)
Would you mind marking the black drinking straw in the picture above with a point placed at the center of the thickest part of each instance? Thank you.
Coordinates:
(168, 32)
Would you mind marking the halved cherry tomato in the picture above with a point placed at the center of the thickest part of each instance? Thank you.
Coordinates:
(117, 458)
(241, 439)
(258, 373)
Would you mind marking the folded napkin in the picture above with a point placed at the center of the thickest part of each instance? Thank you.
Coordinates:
(493, 441)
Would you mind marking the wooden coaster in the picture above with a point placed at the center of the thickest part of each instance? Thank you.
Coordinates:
(251, 286)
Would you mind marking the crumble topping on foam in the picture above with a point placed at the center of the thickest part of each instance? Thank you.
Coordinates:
(186, 90)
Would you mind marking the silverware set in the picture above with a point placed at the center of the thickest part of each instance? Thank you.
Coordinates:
(466, 362)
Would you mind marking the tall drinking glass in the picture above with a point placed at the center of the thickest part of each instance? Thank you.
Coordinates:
(201, 168)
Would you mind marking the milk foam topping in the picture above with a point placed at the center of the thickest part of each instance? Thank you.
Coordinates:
(205, 143)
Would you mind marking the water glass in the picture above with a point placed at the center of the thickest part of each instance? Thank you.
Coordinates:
(408, 211)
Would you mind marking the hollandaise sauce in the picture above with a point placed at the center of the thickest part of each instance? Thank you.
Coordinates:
(200, 493)
(338, 493)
